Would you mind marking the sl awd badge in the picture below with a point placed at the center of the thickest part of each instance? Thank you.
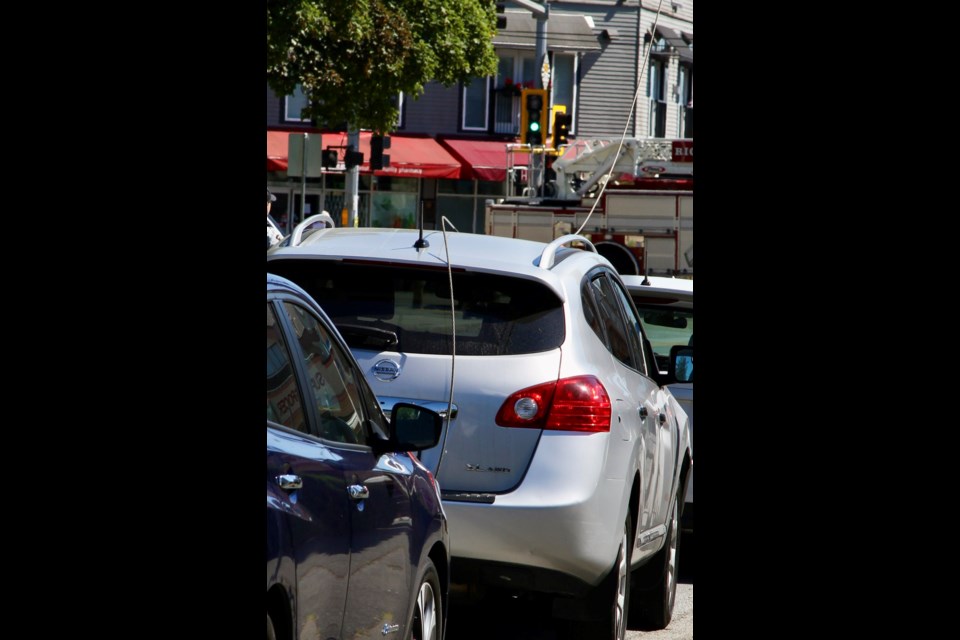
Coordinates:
(386, 370)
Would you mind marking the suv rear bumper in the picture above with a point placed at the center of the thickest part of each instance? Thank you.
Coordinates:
(562, 521)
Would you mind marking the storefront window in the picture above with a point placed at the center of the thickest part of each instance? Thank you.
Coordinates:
(460, 211)
(486, 187)
(463, 187)
(394, 203)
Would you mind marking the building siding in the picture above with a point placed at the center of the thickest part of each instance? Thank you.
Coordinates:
(607, 79)
(437, 112)
(274, 109)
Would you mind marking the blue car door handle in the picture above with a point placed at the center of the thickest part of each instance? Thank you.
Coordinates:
(289, 482)
(358, 492)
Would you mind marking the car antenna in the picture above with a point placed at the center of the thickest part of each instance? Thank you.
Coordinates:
(646, 268)
(444, 221)
(421, 243)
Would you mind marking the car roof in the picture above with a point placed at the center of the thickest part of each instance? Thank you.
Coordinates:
(658, 284)
(279, 283)
(477, 252)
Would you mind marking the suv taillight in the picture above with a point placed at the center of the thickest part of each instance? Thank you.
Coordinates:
(571, 404)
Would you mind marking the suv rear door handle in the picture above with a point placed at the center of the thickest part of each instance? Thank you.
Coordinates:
(289, 482)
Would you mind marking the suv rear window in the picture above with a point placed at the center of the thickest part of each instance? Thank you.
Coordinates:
(398, 308)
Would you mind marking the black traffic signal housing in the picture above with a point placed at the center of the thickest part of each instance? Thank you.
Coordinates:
(501, 15)
(329, 159)
(352, 158)
(533, 116)
(378, 160)
(561, 127)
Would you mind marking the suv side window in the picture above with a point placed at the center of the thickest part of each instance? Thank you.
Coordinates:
(613, 321)
(333, 382)
(635, 333)
(284, 403)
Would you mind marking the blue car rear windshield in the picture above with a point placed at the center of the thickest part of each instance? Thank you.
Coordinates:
(407, 309)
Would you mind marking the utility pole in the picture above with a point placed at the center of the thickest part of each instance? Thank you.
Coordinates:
(352, 186)
(542, 14)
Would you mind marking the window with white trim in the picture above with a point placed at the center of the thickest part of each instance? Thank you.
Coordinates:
(657, 121)
(684, 98)
(399, 102)
(515, 71)
(475, 105)
(293, 106)
(564, 70)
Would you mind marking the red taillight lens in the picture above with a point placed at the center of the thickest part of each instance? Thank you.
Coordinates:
(571, 404)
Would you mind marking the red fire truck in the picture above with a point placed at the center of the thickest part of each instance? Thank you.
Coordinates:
(633, 199)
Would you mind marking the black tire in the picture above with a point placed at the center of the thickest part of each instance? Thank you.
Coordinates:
(426, 623)
(611, 597)
(271, 632)
(655, 588)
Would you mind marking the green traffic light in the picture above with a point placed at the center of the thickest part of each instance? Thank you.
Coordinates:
(534, 126)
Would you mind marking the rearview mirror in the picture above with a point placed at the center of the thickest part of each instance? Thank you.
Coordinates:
(681, 363)
(414, 428)
(665, 319)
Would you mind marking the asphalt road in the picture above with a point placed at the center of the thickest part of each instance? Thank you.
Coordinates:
(504, 617)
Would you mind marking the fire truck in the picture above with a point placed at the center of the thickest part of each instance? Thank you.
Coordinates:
(633, 199)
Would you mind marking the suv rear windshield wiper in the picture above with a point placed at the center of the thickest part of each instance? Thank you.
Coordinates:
(360, 336)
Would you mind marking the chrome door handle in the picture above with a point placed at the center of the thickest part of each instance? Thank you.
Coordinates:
(289, 482)
(643, 412)
(358, 492)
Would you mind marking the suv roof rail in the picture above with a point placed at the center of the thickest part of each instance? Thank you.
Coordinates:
(548, 257)
(297, 236)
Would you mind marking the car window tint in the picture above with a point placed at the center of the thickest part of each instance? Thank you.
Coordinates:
(618, 342)
(407, 309)
(590, 313)
(284, 403)
(635, 332)
(333, 381)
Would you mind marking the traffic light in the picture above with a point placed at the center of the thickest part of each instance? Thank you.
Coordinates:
(532, 118)
(377, 158)
(330, 159)
(352, 158)
(501, 15)
(561, 127)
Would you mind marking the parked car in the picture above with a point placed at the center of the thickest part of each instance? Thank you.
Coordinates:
(563, 463)
(666, 312)
(357, 541)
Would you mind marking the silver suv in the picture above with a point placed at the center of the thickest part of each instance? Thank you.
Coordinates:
(563, 462)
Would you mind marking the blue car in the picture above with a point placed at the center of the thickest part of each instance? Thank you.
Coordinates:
(357, 540)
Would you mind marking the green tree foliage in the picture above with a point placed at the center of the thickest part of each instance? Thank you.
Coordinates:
(353, 57)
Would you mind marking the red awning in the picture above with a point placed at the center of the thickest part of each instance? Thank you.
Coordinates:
(483, 159)
(410, 156)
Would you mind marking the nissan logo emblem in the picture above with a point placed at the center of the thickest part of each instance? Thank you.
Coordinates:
(386, 370)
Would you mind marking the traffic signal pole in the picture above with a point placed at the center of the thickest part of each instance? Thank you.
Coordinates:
(537, 165)
(352, 186)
